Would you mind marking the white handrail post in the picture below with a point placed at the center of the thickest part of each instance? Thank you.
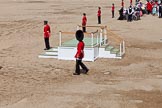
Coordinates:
(97, 37)
(123, 47)
(92, 35)
(60, 37)
(105, 35)
(101, 37)
(120, 49)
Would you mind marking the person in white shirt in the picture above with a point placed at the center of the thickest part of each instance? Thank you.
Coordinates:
(130, 13)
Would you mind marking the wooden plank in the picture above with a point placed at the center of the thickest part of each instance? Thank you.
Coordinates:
(72, 32)
(93, 26)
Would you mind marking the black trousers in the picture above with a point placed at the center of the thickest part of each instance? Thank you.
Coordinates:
(160, 14)
(148, 12)
(84, 29)
(46, 40)
(112, 14)
(78, 64)
(130, 17)
(99, 19)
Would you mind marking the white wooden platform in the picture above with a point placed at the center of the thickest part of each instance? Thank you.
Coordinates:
(96, 46)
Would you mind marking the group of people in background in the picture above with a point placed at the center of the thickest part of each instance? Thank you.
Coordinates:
(153, 7)
(80, 47)
(84, 19)
(131, 13)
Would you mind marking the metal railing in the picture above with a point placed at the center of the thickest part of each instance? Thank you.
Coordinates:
(102, 37)
(92, 34)
(102, 33)
(120, 41)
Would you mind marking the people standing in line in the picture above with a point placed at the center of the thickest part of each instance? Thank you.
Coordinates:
(80, 54)
(47, 32)
(113, 10)
(84, 22)
(99, 15)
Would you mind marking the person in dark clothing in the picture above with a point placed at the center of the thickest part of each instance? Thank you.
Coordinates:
(47, 32)
(99, 15)
(130, 12)
(80, 54)
(84, 22)
(113, 9)
(160, 10)
(121, 17)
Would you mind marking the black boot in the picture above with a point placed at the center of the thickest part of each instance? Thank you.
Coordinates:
(76, 73)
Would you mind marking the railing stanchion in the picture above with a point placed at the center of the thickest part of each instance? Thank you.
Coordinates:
(105, 36)
(101, 37)
(60, 37)
(97, 38)
(92, 39)
(120, 49)
(123, 47)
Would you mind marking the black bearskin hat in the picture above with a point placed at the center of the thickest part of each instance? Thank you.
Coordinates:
(45, 22)
(79, 35)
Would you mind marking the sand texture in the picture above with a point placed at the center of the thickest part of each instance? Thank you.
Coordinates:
(27, 81)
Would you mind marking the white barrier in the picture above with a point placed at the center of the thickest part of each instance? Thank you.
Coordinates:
(102, 33)
(92, 34)
(119, 41)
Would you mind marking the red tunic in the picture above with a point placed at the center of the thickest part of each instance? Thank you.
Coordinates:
(122, 3)
(149, 6)
(99, 12)
(84, 20)
(80, 50)
(113, 8)
(47, 31)
(131, 2)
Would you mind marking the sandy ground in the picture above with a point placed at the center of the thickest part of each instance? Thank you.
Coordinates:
(29, 82)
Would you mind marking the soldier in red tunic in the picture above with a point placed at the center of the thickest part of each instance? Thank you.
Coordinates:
(149, 7)
(122, 3)
(80, 54)
(47, 32)
(84, 22)
(130, 2)
(99, 15)
(113, 9)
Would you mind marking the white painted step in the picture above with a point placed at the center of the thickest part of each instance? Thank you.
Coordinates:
(109, 52)
(48, 56)
(52, 49)
(51, 53)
